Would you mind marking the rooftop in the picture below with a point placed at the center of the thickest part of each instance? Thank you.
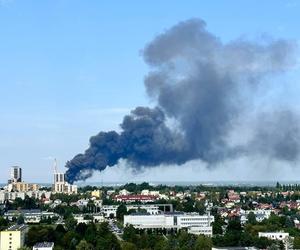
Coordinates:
(44, 244)
(16, 227)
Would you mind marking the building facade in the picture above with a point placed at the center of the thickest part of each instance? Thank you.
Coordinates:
(61, 185)
(43, 246)
(193, 222)
(15, 174)
(13, 238)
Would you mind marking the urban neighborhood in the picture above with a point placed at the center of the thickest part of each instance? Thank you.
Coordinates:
(143, 216)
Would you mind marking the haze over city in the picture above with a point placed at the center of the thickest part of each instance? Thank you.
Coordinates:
(69, 70)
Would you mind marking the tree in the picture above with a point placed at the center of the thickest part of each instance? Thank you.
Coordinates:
(288, 222)
(24, 248)
(129, 234)
(83, 245)
(121, 211)
(70, 223)
(273, 247)
(81, 228)
(91, 233)
(297, 242)
(161, 244)
(3, 223)
(217, 225)
(128, 246)
(251, 218)
(39, 234)
(203, 243)
(20, 219)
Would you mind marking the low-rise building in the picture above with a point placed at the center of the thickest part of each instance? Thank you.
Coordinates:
(111, 210)
(88, 218)
(135, 198)
(281, 236)
(13, 238)
(43, 246)
(96, 193)
(30, 215)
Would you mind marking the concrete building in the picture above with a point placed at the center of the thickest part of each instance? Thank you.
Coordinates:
(88, 218)
(108, 210)
(30, 215)
(11, 196)
(43, 246)
(15, 174)
(135, 198)
(281, 236)
(193, 222)
(13, 238)
(96, 193)
(60, 184)
(23, 187)
(274, 235)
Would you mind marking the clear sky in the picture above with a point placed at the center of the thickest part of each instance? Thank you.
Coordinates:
(70, 68)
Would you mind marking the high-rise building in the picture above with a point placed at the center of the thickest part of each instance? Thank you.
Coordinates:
(15, 174)
(60, 184)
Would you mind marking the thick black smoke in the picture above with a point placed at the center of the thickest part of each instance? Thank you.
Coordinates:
(145, 141)
(198, 82)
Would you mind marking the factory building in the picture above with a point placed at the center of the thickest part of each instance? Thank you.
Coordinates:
(193, 222)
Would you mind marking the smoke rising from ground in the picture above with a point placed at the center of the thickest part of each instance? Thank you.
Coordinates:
(199, 82)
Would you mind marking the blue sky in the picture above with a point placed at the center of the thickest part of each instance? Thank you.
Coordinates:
(69, 69)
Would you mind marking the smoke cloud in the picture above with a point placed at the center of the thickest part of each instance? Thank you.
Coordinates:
(200, 83)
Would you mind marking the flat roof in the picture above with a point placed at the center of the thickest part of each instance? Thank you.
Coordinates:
(44, 244)
(16, 227)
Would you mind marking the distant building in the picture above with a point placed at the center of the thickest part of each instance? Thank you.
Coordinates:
(281, 236)
(111, 210)
(15, 174)
(30, 215)
(11, 196)
(61, 185)
(96, 193)
(43, 246)
(88, 218)
(274, 235)
(13, 238)
(136, 197)
(193, 222)
(23, 187)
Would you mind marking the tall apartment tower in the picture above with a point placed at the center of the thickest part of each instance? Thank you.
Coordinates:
(15, 174)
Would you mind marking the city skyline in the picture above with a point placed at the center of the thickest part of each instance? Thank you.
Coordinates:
(69, 70)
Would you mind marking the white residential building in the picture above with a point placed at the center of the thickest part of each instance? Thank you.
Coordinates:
(260, 214)
(30, 215)
(274, 235)
(282, 236)
(107, 210)
(82, 218)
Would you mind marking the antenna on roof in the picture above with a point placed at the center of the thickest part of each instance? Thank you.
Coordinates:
(55, 166)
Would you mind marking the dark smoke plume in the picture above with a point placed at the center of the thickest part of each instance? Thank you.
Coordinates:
(199, 82)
